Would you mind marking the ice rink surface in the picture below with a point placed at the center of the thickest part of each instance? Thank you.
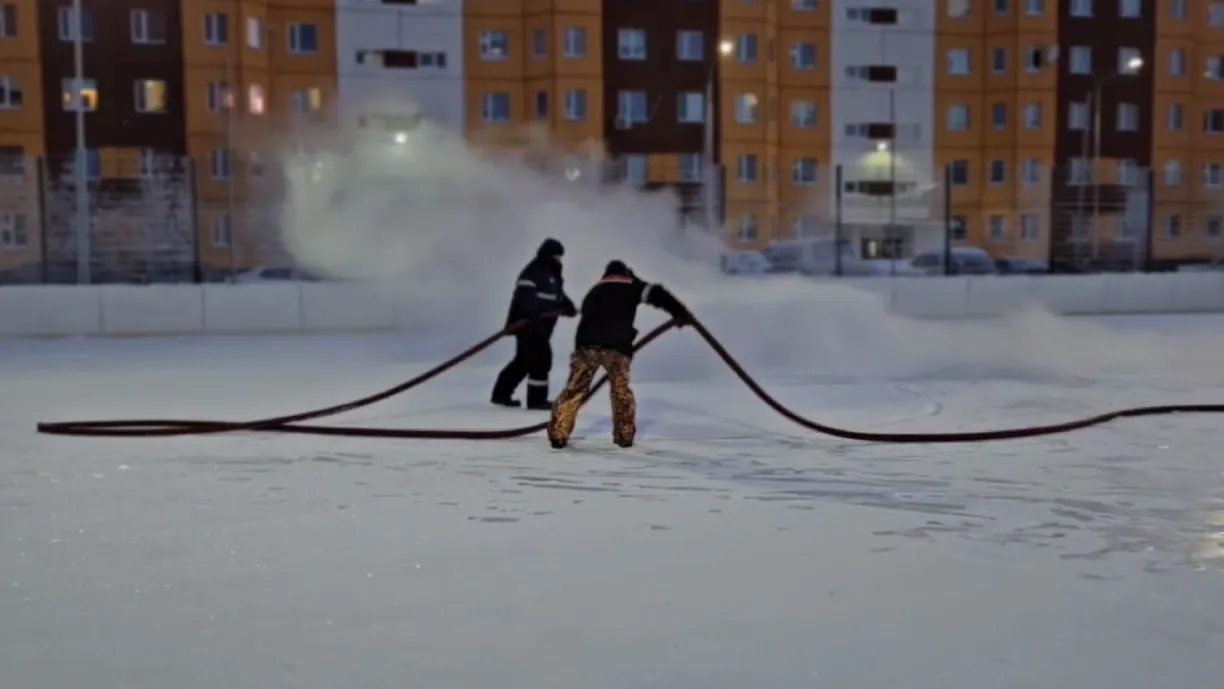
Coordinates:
(728, 550)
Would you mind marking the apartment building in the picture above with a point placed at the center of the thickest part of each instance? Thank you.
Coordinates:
(182, 100)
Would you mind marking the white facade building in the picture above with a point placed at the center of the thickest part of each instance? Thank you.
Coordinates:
(396, 62)
(882, 63)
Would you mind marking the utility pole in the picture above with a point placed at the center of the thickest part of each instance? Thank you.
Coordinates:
(708, 149)
(81, 171)
(230, 103)
(892, 178)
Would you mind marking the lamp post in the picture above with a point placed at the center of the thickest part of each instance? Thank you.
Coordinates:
(1131, 67)
(81, 172)
(725, 48)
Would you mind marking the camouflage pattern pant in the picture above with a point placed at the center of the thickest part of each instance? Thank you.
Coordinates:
(584, 364)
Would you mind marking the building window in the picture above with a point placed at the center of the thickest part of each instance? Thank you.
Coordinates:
(11, 95)
(257, 102)
(216, 29)
(1211, 175)
(220, 96)
(1034, 8)
(690, 46)
(87, 95)
(14, 230)
(1177, 62)
(631, 44)
(219, 164)
(998, 116)
(304, 101)
(1129, 9)
(1128, 117)
(998, 172)
(631, 107)
(998, 60)
(746, 108)
(803, 55)
(1176, 117)
(67, 25)
(1172, 174)
(254, 33)
(1214, 68)
(575, 43)
(303, 39)
(958, 9)
(541, 105)
(691, 167)
(576, 105)
(1030, 230)
(494, 46)
(222, 231)
(998, 227)
(637, 169)
(803, 114)
(1081, 172)
(1077, 117)
(958, 118)
(748, 229)
(150, 96)
(804, 172)
(148, 27)
(1173, 226)
(804, 5)
(748, 167)
(8, 20)
(690, 107)
(805, 226)
(1214, 225)
(1032, 116)
(958, 61)
(495, 107)
(1081, 60)
(958, 173)
(1127, 173)
(746, 48)
(539, 44)
(1213, 121)
(1081, 8)
(1030, 172)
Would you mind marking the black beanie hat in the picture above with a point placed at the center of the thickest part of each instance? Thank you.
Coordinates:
(618, 268)
(550, 248)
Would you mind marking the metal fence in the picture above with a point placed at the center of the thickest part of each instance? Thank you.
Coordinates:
(170, 219)
(1027, 216)
(148, 219)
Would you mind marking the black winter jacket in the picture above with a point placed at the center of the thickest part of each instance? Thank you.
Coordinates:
(540, 289)
(609, 309)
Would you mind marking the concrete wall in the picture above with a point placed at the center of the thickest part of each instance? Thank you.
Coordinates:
(321, 308)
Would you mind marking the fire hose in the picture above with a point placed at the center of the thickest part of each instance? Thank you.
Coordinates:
(293, 423)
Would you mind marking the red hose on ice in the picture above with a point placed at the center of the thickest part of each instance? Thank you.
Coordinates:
(293, 423)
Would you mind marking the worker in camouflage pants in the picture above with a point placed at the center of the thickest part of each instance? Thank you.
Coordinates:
(604, 339)
(584, 364)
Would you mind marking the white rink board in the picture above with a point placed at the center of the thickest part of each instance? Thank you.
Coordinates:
(123, 310)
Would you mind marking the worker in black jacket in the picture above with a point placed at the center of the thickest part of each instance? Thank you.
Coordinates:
(540, 289)
(605, 340)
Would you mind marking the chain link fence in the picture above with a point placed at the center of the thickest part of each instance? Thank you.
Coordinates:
(149, 219)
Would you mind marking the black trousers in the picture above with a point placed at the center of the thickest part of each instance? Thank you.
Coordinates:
(532, 361)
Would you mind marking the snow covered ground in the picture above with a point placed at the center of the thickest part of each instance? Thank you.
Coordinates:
(728, 550)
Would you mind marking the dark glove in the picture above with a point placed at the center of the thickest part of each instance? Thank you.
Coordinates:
(682, 317)
(569, 309)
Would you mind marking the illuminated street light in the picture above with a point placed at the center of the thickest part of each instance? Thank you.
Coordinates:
(401, 138)
(882, 146)
(726, 48)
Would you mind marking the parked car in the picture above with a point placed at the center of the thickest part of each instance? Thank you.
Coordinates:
(966, 260)
(266, 274)
(1021, 266)
(745, 263)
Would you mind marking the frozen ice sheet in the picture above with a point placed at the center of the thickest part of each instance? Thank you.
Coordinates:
(728, 550)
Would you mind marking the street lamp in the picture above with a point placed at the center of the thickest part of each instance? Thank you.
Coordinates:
(1132, 66)
(401, 138)
(725, 48)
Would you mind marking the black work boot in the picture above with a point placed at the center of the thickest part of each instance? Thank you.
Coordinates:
(506, 402)
(537, 398)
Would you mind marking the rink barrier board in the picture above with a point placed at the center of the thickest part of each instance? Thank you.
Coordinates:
(308, 308)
